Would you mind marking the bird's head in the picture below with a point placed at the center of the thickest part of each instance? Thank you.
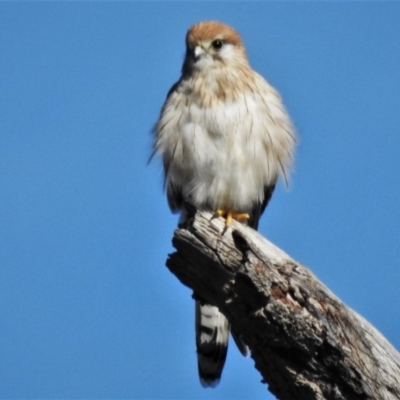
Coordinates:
(211, 44)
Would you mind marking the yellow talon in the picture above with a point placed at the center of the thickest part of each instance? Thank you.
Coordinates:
(230, 215)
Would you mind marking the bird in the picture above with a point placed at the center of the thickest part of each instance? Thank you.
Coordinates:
(225, 138)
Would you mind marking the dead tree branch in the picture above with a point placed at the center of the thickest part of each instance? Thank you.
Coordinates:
(306, 343)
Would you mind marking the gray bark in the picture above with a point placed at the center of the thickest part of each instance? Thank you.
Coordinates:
(306, 343)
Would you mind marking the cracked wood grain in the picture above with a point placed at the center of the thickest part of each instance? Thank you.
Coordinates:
(306, 343)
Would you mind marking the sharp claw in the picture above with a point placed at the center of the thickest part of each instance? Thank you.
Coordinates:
(230, 215)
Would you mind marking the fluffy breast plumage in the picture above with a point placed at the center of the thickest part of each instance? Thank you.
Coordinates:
(223, 154)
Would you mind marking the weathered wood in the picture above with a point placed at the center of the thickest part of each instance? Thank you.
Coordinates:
(306, 343)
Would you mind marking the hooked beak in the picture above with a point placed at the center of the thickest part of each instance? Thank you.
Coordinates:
(198, 52)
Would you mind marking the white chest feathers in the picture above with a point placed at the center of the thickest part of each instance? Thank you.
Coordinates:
(224, 156)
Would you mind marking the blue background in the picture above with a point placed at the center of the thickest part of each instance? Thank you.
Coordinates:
(88, 309)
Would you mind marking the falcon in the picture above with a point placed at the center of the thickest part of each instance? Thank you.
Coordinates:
(225, 138)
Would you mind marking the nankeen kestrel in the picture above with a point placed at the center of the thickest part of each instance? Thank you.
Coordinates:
(225, 138)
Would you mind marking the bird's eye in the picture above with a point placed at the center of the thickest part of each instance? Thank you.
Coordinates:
(217, 44)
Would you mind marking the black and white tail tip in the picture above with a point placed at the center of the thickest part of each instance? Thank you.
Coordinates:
(212, 334)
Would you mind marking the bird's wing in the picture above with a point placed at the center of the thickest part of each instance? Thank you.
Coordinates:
(259, 208)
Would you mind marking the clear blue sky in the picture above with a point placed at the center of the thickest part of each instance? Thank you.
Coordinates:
(88, 308)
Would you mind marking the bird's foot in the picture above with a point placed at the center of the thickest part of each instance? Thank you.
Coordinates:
(230, 215)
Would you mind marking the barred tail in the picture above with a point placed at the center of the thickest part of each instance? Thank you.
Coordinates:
(212, 334)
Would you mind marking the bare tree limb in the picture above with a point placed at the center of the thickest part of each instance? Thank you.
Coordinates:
(306, 343)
